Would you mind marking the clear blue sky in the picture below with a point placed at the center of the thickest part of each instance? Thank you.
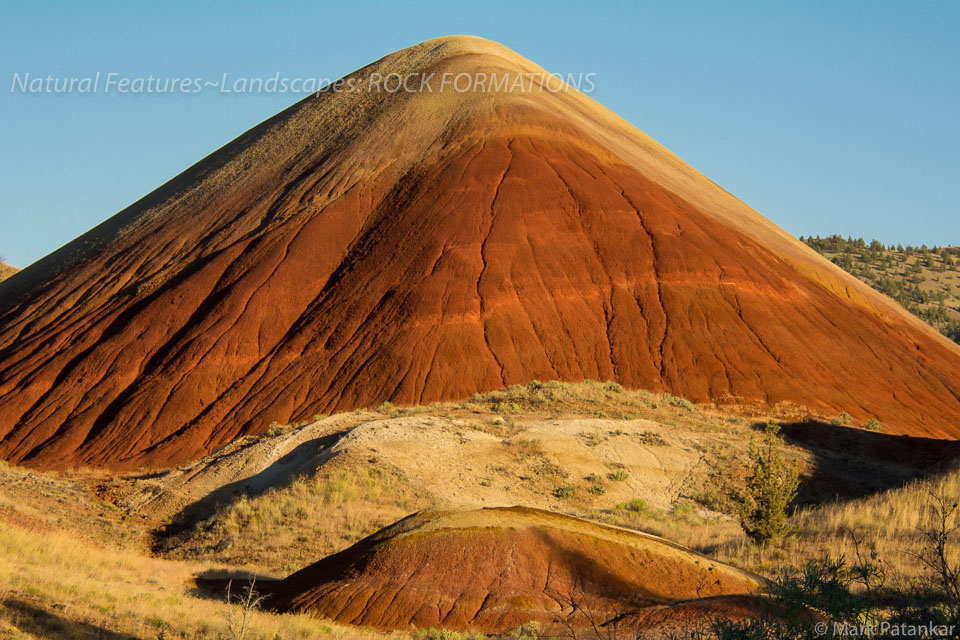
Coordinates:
(824, 116)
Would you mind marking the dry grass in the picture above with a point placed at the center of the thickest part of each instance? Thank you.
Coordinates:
(48, 501)
(587, 399)
(288, 528)
(886, 526)
(591, 399)
(58, 586)
(887, 523)
(711, 533)
(683, 521)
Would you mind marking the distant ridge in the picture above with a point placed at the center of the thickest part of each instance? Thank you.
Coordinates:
(417, 246)
(925, 280)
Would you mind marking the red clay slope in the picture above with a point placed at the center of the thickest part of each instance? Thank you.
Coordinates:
(362, 247)
(494, 569)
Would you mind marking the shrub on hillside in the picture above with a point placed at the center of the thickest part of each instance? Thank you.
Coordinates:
(842, 420)
(769, 489)
(566, 491)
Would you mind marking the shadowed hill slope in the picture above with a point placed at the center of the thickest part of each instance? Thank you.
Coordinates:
(362, 247)
(497, 568)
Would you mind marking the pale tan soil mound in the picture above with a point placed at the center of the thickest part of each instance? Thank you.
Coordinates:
(279, 500)
(496, 568)
(516, 444)
(417, 461)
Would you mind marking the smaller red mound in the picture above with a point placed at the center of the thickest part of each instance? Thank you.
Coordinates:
(494, 569)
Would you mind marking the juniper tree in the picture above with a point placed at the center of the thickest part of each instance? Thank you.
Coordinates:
(769, 489)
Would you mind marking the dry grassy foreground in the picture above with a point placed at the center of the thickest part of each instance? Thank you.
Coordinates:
(74, 563)
(56, 586)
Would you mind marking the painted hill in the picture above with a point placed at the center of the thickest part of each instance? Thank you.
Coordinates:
(494, 569)
(362, 247)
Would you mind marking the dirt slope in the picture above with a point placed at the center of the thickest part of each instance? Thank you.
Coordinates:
(362, 247)
(496, 568)
(461, 464)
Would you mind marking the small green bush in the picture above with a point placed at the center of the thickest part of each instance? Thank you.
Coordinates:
(715, 500)
(566, 491)
(842, 420)
(620, 475)
(674, 401)
(681, 509)
(651, 439)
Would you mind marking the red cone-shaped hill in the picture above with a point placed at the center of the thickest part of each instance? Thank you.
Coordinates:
(361, 247)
